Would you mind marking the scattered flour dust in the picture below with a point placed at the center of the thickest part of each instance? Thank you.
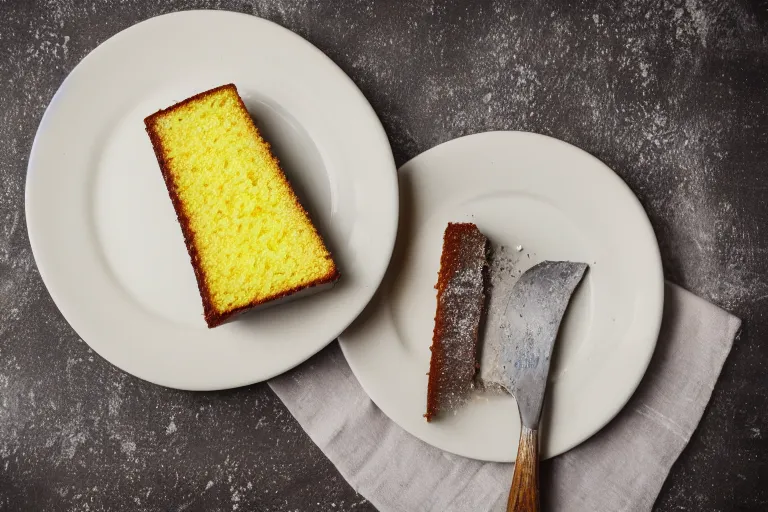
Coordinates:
(128, 448)
(504, 270)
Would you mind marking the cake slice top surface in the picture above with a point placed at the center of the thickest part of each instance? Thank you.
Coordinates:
(461, 288)
(253, 239)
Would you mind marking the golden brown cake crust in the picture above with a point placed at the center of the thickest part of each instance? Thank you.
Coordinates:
(212, 317)
(461, 288)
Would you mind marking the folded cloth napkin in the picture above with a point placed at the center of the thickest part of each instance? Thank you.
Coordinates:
(621, 468)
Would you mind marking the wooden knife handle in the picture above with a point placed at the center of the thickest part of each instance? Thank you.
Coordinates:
(524, 494)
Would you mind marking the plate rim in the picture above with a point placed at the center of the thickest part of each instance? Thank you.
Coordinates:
(30, 204)
(660, 298)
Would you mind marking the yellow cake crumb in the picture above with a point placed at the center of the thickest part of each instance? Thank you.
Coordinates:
(251, 237)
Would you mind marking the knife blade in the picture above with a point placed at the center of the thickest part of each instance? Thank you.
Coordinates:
(529, 329)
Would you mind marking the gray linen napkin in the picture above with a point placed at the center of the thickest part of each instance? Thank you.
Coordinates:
(621, 468)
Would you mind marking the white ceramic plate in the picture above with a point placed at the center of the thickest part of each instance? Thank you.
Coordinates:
(103, 230)
(558, 202)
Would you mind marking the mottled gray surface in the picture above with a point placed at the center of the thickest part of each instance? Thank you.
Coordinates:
(672, 95)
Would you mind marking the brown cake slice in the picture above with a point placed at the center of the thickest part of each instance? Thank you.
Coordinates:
(461, 288)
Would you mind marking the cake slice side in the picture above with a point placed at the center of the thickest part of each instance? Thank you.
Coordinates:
(249, 239)
(461, 290)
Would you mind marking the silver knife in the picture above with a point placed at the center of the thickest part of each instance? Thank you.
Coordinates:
(531, 320)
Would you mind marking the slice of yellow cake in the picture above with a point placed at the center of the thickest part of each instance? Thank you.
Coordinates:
(249, 238)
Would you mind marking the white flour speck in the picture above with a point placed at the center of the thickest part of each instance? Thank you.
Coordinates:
(128, 448)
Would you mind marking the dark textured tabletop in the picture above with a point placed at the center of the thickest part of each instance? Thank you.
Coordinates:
(673, 95)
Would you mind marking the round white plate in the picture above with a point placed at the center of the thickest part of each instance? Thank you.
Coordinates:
(103, 230)
(559, 203)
